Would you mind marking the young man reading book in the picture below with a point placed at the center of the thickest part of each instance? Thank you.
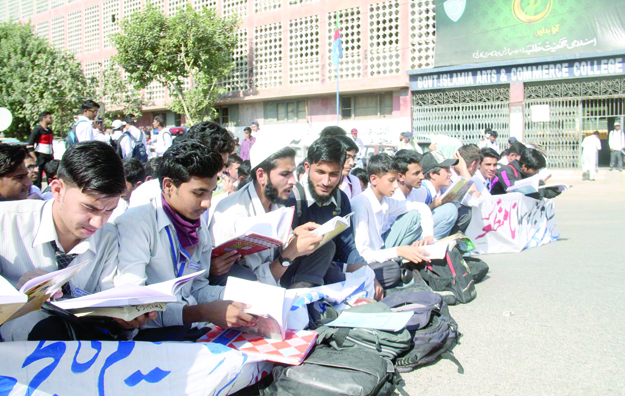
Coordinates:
(387, 229)
(409, 178)
(318, 199)
(44, 236)
(165, 239)
(529, 164)
(298, 263)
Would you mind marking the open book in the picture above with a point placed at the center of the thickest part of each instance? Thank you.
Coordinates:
(126, 301)
(271, 304)
(34, 293)
(332, 228)
(531, 185)
(262, 232)
(292, 350)
(457, 191)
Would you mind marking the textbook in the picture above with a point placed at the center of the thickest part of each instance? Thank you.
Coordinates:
(531, 185)
(126, 301)
(332, 228)
(389, 321)
(292, 350)
(457, 192)
(270, 304)
(262, 232)
(34, 293)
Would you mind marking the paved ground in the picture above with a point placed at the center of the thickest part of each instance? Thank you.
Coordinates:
(566, 334)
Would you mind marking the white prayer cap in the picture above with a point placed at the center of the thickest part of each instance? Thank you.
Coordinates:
(264, 148)
(617, 123)
(118, 124)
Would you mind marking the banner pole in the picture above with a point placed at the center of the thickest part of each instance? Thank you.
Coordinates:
(338, 104)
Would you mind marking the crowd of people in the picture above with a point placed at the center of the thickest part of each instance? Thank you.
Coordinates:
(144, 221)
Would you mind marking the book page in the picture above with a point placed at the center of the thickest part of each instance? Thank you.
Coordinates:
(117, 297)
(393, 321)
(457, 191)
(127, 313)
(525, 186)
(332, 228)
(9, 294)
(173, 286)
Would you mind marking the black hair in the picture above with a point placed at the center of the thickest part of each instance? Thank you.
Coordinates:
(88, 104)
(160, 120)
(212, 135)
(404, 158)
(134, 171)
(488, 152)
(129, 119)
(247, 129)
(52, 168)
(347, 142)
(233, 159)
(151, 167)
(533, 159)
(331, 131)
(244, 169)
(380, 165)
(516, 148)
(93, 167)
(43, 115)
(11, 157)
(299, 170)
(596, 133)
(435, 170)
(187, 159)
(493, 134)
(470, 153)
(361, 174)
(272, 162)
(327, 150)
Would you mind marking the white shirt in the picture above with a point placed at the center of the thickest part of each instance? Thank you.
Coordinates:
(482, 184)
(616, 140)
(27, 230)
(117, 133)
(486, 143)
(361, 147)
(415, 195)
(84, 129)
(122, 206)
(145, 257)
(591, 145)
(100, 136)
(372, 218)
(145, 193)
(231, 214)
(163, 142)
(126, 144)
(351, 186)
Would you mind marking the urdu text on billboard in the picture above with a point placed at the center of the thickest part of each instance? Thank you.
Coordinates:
(476, 31)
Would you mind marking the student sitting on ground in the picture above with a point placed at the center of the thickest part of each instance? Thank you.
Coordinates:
(51, 170)
(14, 177)
(134, 173)
(485, 177)
(387, 229)
(512, 153)
(530, 163)
(350, 184)
(409, 178)
(361, 174)
(318, 199)
(298, 263)
(165, 239)
(44, 236)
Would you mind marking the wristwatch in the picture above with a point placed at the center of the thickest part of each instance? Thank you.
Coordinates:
(284, 262)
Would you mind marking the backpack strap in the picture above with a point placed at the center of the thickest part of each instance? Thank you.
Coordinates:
(338, 199)
(516, 174)
(300, 196)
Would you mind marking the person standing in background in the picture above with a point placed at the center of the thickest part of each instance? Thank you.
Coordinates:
(616, 140)
(41, 140)
(591, 145)
(246, 145)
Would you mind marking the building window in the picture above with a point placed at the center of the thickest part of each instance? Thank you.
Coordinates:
(178, 119)
(363, 106)
(222, 116)
(285, 111)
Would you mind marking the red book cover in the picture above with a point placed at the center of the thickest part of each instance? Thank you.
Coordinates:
(293, 350)
(247, 244)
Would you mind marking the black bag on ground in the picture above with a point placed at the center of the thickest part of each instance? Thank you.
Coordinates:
(434, 331)
(450, 274)
(328, 372)
(478, 268)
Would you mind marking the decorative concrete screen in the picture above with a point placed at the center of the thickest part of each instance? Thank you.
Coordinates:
(384, 49)
(266, 5)
(200, 4)
(239, 78)
(422, 34)
(234, 7)
(74, 32)
(43, 30)
(173, 6)
(158, 4)
(27, 8)
(92, 70)
(110, 23)
(92, 28)
(57, 34)
(130, 7)
(42, 5)
(349, 25)
(304, 50)
(155, 91)
(56, 4)
(14, 10)
(268, 56)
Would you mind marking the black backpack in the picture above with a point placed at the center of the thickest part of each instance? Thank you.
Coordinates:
(434, 332)
(450, 274)
(139, 151)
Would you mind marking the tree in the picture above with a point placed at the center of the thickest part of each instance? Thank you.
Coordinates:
(119, 93)
(169, 50)
(36, 77)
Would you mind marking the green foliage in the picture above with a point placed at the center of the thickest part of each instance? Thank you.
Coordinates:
(120, 93)
(36, 77)
(194, 43)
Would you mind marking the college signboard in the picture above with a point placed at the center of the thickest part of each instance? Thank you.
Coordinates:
(477, 31)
